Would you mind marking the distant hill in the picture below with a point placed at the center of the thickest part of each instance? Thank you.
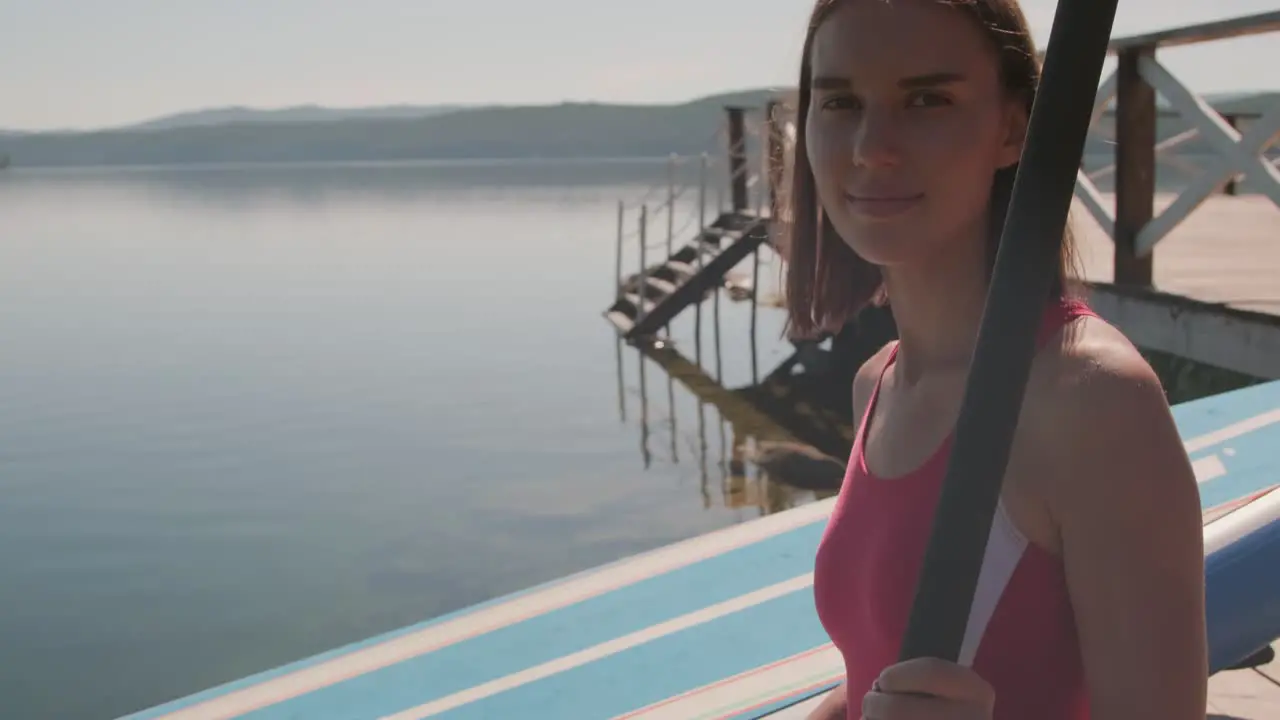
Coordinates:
(297, 114)
(566, 130)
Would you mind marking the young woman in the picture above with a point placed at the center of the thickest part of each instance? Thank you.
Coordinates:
(911, 118)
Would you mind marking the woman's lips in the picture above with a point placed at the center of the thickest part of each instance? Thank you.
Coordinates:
(881, 206)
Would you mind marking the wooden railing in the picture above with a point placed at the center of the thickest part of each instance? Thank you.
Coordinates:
(1132, 223)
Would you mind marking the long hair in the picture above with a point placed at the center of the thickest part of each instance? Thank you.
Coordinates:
(827, 283)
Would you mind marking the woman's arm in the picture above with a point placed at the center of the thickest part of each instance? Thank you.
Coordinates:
(1125, 499)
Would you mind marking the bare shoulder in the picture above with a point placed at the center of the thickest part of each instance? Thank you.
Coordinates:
(867, 376)
(1098, 405)
(1095, 358)
(1093, 381)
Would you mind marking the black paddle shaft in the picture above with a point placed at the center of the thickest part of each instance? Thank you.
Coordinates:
(1025, 267)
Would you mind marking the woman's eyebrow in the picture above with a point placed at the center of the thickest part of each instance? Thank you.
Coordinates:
(832, 82)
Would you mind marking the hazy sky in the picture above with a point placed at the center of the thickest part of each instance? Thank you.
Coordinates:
(93, 63)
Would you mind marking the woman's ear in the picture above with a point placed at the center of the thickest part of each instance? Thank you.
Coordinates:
(1015, 134)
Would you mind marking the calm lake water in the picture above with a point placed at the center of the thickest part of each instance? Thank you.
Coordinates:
(253, 413)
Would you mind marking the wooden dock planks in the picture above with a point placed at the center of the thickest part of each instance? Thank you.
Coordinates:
(1227, 251)
(1246, 694)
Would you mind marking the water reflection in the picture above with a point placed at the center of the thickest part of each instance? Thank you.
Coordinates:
(761, 448)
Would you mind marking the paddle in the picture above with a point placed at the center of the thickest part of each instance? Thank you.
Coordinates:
(1020, 285)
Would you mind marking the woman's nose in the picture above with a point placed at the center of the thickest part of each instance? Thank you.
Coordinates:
(876, 138)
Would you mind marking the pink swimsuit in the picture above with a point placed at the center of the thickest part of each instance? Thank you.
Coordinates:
(1021, 634)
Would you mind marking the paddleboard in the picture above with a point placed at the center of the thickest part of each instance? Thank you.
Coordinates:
(722, 626)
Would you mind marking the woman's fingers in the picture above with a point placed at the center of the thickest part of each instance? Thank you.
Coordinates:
(938, 678)
(886, 706)
(929, 689)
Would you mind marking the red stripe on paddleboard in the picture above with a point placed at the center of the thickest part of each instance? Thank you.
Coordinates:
(1219, 511)
(720, 683)
(778, 698)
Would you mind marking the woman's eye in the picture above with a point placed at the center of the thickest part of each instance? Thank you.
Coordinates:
(840, 102)
(928, 99)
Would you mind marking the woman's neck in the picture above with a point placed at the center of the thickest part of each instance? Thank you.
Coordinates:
(938, 309)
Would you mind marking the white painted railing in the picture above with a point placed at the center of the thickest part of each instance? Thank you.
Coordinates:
(1235, 154)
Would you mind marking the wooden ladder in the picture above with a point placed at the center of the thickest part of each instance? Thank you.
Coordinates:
(650, 300)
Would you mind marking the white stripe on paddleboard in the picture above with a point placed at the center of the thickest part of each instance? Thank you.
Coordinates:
(429, 639)
(800, 711)
(754, 688)
(1245, 520)
(1237, 429)
(605, 649)
(1208, 468)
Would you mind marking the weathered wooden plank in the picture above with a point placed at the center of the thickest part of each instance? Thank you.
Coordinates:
(1240, 340)
(1245, 694)
(1227, 251)
(1235, 153)
(709, 276)
(1204, 32)
(737, 158)
(1135, 168)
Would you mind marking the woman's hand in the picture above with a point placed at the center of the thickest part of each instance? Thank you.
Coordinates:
(929, 689)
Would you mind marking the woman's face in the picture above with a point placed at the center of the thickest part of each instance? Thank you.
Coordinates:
(907, 126)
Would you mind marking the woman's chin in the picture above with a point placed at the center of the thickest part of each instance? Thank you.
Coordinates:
(885, 246)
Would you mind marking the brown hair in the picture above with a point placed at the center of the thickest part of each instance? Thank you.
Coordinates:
(827, 283)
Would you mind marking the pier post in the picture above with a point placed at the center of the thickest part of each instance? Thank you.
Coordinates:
(671, 413)
(617, 269)
(1231, 188)
(702, 226)
(755, 305)
(737, 159)
(1135, 167)
(622, 389)
(703, 162)
(761, 180)
(643, 288)
(644, 415)
(775, 152)
(671, 200)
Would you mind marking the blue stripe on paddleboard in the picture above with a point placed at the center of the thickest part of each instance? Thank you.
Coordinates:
(560, 632)
(266, 675)
(1207, 414)
(664, 667)
(1252, 462)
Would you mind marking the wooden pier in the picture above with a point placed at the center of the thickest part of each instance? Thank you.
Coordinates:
(1215, 291)
(1209, 295)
